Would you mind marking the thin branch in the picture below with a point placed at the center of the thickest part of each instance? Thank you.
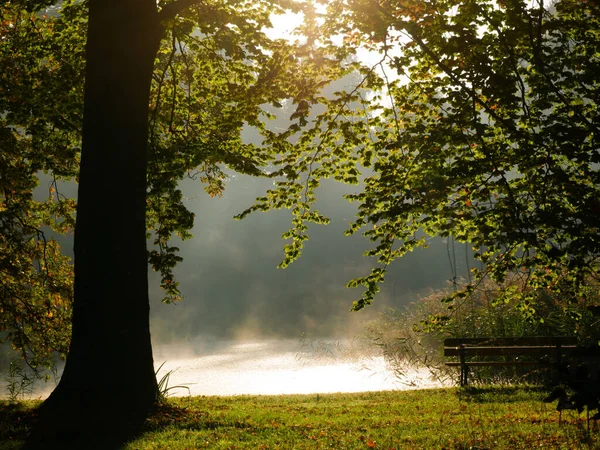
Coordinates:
(160, 82)
(171, 10)
(174, 83)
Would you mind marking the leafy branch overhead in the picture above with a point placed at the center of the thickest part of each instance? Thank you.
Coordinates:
(38, 135)
(208, 85)
(477, 121)
(215, 71)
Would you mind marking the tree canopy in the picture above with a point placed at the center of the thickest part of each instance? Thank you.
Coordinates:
(470, 120)
(216, 71)
(168, 89)
(477, 121)
(41, 87)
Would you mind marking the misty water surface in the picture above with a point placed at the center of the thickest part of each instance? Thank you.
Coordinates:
(264, 367)
(280, 367)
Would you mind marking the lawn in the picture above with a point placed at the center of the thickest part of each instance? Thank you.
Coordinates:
(484, 418)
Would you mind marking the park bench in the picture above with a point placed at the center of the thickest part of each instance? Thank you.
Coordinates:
(506, 351)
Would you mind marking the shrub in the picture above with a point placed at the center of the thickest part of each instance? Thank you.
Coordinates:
(413, 337)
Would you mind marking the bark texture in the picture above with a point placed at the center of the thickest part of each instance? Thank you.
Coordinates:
(108, 385)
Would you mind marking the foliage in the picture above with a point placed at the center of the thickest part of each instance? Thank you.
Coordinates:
(40, 99)
(480, 123)
(210, 82)
(413, 337)
(581, 393)
(216, 72)
(487, 312)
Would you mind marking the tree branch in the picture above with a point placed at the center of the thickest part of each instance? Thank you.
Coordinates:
(171, 10)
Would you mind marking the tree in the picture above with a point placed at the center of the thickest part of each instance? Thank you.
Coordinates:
(470, 109)
(481, 125)
(37, 134)
(167, 92)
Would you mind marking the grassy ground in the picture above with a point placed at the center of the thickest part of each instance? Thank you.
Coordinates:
(493, 418)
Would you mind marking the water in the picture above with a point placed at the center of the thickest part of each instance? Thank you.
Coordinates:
(280, 367)
(268, 368)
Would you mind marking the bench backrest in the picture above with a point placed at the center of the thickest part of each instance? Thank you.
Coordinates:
(508, 346)
(532, 341)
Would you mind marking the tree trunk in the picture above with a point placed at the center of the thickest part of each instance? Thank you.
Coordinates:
(108, 385)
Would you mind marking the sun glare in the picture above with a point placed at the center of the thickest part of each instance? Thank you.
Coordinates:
(284, 26)
(273, 367)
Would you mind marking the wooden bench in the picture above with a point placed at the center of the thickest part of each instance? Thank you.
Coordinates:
(506, 351)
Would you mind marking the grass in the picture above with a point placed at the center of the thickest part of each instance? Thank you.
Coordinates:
(16, 419)
(490, 418)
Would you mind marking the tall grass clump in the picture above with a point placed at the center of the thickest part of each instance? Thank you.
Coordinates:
(19, 381)
(19, 378)
(164, 389)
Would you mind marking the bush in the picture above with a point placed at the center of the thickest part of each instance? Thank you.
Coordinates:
(413, 337)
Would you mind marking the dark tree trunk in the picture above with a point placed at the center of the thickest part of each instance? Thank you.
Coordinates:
(108, 385)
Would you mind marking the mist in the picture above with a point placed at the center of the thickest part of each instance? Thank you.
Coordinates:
(232, 288)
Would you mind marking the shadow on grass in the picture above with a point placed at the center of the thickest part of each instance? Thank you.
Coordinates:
(500, 394)
(167, 415)
(16, 420)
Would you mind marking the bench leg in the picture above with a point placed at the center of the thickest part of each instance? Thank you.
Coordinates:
(464, 369)
(464, 373)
